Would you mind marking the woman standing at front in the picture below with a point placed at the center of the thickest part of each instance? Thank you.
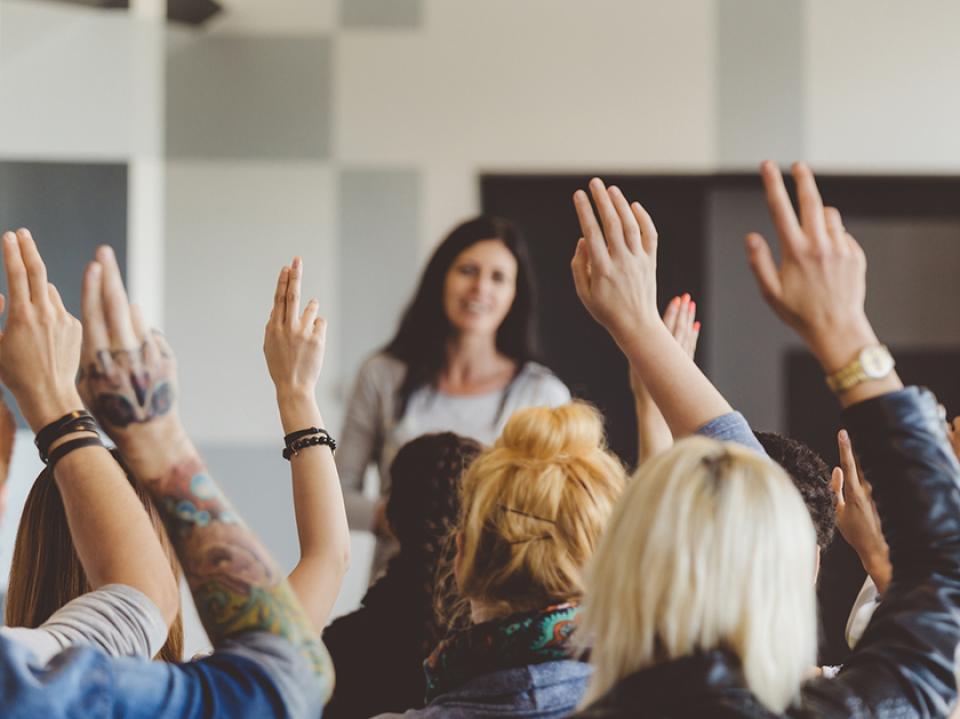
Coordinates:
(463, 360)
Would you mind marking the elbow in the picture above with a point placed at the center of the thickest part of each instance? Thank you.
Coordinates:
(342, 560)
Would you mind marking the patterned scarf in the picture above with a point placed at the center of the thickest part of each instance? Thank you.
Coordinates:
(515, 641)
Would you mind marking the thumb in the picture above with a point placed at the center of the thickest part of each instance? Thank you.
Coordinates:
(581, 273)
(764, 268)
(836, 486)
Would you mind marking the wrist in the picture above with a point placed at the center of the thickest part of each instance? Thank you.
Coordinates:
(298, 410)
(49, 409)
(838, 344)
(635, 341)
(153, 459)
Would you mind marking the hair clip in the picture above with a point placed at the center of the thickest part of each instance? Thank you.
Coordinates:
(530, 539)
(505, 508)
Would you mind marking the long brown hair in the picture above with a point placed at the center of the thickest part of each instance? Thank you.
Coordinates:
(46, 573)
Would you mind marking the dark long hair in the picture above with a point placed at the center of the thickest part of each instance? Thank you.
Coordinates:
(420, 341)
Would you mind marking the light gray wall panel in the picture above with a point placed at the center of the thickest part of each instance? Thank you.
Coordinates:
(379, 257)
(381, 13)
(70, 209)
(760, 81)
(248, 97)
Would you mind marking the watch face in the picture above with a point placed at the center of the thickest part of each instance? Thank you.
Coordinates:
(876, 362)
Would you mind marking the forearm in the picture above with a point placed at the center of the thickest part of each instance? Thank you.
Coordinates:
(876, 564)
(653, 433)
(111, 531)
(321, 518)
(679, 389)
(236, 585)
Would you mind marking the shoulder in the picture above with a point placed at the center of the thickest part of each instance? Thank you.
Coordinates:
(382, 370)
(537, 385)
(251, 675)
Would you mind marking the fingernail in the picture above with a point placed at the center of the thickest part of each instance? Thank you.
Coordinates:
(693, 306)
(686, 297)
(844, 437)
(675, 301)
(297, 261)
(696, 326)
(753, 242)
(9, 237)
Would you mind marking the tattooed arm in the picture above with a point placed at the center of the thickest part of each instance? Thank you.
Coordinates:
(128, 380)
(294, 346)
(39, 355)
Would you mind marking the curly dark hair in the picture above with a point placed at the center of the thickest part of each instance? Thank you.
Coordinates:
(810, 475)
(422, 510)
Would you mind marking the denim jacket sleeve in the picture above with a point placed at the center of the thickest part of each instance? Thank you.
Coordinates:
(904, 664)
(732, 427)
(255, 675)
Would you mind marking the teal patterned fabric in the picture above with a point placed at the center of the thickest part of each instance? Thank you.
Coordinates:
(514, 641)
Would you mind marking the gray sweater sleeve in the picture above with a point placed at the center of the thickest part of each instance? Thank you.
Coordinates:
(732, 427)
(117, 619)
(360, 443)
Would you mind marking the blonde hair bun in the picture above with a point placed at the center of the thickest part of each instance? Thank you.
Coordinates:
(533, 507)
(545, 433)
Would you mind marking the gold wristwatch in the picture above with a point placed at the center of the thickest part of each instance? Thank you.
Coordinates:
(873, 362)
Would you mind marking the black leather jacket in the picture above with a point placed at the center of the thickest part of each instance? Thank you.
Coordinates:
(904, 665)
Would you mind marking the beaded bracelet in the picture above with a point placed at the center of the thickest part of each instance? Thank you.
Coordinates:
(311, 437)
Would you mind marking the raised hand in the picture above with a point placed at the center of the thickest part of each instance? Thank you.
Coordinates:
(40, 344)
(128, 377)
(857, 516)
(820, 286)
(615, 268)
(293, 342)
(615, 272)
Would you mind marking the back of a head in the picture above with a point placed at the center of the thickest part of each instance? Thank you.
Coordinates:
(45, 571)
(424, 497)
(533, 507)
(710, 548)
(811, 477)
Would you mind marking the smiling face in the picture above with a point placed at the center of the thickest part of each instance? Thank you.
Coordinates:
(480, 287)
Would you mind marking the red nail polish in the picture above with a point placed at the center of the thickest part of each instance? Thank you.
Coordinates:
(686, 296)
(693, 306)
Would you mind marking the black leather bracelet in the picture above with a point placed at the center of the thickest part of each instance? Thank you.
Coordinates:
(294, 436)
(76, 421)
(67, 447)
(312, 440)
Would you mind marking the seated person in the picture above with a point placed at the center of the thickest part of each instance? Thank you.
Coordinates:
(397, 615)
(700, 600)
(532, 510)
(267, 661)
(51, 604)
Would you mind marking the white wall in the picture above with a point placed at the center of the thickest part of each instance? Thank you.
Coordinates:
(881, 83)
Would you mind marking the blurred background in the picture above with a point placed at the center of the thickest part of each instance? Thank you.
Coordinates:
(209, 141)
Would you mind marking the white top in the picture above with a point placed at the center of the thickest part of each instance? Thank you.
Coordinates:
(118, 619)
(371, 434)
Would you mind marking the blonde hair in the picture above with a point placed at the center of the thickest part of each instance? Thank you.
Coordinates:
(711, 547)
(533, 507)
